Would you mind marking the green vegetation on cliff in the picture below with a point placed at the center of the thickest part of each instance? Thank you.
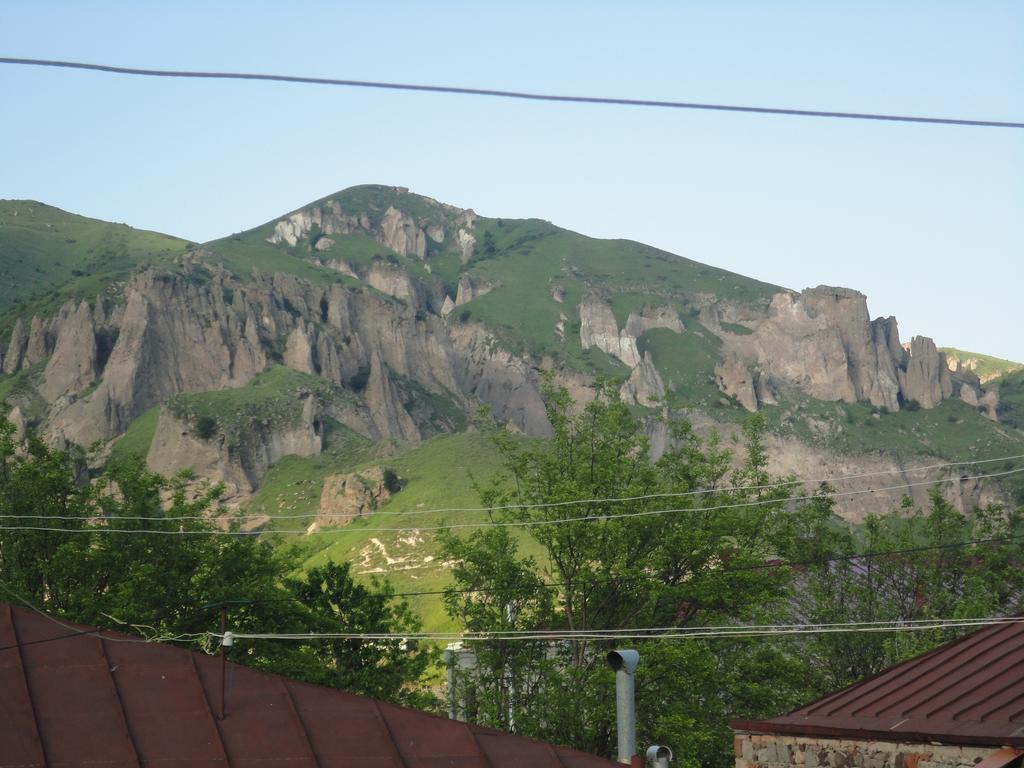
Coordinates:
(48, 256)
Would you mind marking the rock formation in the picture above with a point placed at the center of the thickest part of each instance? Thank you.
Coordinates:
(599, 329)
(346, 497)
(823, 343)
(644, 386)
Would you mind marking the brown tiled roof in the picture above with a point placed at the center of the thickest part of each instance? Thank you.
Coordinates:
(86, 700)
(967, 692)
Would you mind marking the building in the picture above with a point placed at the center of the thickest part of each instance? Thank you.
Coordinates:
(71, 696)
(958, 706)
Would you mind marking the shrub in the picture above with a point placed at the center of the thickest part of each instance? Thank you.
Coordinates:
(206, 427)
(912, 405)
(392, 482)
(360, 380)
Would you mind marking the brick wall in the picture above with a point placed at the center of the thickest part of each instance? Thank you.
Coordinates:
(772, 751)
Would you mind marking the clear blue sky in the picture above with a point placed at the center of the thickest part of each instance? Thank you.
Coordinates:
(926, 220)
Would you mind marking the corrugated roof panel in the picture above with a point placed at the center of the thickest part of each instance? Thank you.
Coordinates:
(970, 691)
(89, 701)
(421, 741)
(359, 736)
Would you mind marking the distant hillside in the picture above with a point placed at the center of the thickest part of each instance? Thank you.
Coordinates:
(48, 256)
(297, 361)
(985, 366)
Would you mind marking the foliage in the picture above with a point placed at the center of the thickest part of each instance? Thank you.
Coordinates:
(133, 551)
(939, 578)
(625, 565)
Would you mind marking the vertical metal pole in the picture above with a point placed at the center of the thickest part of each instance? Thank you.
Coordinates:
(624, 662)
(625, 706)
(223, 662)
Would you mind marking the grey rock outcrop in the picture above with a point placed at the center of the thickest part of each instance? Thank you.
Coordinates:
(735, 380)
(823, 343)
(402, 234)
(242, 464)
(386, 409)
(926, 378)
(644, 385)
(16, 348)
(650, 317)
(298, 351)
(471, 288)
(599, 329)
(348, 496)
(73, 365)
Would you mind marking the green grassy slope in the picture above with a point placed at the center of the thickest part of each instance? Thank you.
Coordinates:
(439, 473)
(48, 256)
(985, 366)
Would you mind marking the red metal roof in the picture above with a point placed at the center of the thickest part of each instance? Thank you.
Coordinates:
(88, 700)
(967, 692)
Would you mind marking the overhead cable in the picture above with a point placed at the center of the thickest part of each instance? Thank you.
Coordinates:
(511, 523)
(641, 633)
(573, 502)
(523, 95)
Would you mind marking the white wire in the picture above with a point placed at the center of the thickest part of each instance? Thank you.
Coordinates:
(185, 637)
(650, 633)
(513, 523)
(553, 504)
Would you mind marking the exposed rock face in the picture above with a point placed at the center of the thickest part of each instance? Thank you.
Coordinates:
(18, 421)
(242, 465)
(500, 379)
(735, 380)
(599, 329)
(644, 386)
(346, 497)
(650, 317)
(470, 288)
(926, 378)
(400, 233)
(298, 352)
(16, 348)
(396, 230)
(447, 307)
(822, 342)
(393, 282)
(73, 365)
(38, 347)
(386, 408)
(467, 242)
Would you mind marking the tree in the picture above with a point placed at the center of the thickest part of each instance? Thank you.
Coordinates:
(929, 573)
(133, 551)
(628, 564)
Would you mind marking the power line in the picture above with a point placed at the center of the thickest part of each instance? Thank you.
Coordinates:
(185, 637)
(641, 633)
(574, 502)
(773, 564)
(523, 95)
(779, 563)
(515, 523)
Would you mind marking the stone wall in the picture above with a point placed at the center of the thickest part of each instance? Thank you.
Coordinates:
(776, 751)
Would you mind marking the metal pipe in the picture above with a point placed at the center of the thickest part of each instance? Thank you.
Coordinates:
(659, 757)
(624, 662)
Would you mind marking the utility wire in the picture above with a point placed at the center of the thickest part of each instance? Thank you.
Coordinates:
(524, 95)
(770, 565)
(642, 633)
(75, 632)
(514, 523)
(555, 504)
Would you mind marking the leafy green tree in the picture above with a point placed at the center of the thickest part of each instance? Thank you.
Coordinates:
(668, 555)
(166, 572)
(928, 573)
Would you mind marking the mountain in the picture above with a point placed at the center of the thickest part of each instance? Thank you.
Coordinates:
(293, 360)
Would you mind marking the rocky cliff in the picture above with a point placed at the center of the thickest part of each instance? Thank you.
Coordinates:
(823, 343)
(361, 294)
